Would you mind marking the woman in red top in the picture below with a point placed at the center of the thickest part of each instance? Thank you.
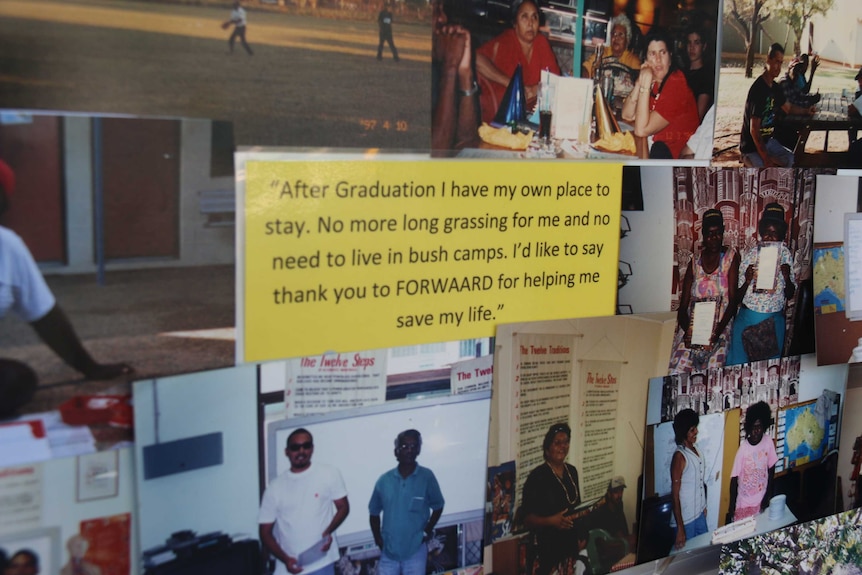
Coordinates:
(661, 104)
(497, 59)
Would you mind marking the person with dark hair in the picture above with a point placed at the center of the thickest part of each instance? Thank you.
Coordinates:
(302, 508)
(765, 98)
(411, 502)
(239, 21)
(687, 476)
(661, 104)
(796, 88)
(24, 291)
(523, 45)
(384, 23)
(759, 327)
(751, 479)
(23, 562)
(713, 275)
(699, 74)
(551, 494)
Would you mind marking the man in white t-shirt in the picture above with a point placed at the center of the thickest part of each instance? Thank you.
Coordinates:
(300, 511)
(23, 291)
(239, 21)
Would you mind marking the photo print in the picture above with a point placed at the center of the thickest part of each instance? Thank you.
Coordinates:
(283, 73)
(582, 91)
(124, 218)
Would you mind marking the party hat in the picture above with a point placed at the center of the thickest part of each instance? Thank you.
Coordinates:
(606, 124)
(513, 107)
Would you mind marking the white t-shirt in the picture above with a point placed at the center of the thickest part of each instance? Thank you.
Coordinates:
(302, 505)
(238, 17)
(22, 287)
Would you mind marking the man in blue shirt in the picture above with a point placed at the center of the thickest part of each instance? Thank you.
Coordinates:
(411, 502)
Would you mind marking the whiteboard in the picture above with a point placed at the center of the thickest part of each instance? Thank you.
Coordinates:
(853, 265)
(360, 444)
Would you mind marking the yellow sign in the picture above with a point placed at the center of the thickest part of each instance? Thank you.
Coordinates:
(353, 255)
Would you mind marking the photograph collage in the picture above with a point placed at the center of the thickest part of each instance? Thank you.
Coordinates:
(418, 287)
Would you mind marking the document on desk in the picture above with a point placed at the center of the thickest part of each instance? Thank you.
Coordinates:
(23, 442)
(858, 104)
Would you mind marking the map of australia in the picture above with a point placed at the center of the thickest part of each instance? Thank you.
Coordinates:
(829, 280)
(805, 436)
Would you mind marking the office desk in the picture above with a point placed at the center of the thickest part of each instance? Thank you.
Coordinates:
(764, 525)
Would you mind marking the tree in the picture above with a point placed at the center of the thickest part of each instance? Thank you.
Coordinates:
(746, 17)
(797, 12)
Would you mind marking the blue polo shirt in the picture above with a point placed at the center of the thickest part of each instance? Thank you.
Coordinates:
(406, 504)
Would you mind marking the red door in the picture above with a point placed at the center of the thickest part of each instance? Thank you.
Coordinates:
(140, 170)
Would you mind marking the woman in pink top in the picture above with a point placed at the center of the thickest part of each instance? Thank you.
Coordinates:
(754, 465)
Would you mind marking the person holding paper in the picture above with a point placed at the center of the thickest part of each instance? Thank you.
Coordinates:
(754, 465)
(410, 500)
(497, 59)
(661, 104)
(300, 511)
(687, 476)
(707, 302)
(758, 330)
(551, 495)
(24, 291)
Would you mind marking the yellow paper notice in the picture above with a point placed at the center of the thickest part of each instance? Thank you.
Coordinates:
(353, 255)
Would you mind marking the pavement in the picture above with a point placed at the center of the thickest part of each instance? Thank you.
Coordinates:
(129, 320)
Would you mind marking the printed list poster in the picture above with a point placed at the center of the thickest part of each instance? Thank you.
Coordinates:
(543, 374)
(597, 424)
(315, 385)
(343, 255)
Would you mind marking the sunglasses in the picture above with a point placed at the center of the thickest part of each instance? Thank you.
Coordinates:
(298, 446)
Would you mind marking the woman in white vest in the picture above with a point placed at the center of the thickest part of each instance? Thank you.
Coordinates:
(687, 474)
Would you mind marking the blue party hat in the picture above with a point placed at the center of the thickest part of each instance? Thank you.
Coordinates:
(513, 107)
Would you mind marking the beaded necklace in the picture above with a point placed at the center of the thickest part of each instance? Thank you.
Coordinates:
(563, 485)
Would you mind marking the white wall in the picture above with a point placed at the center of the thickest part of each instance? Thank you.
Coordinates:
(219, 498)
(199, 244)
(649, 246)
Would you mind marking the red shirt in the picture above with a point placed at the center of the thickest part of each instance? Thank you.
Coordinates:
(509, 55)
(675, 104)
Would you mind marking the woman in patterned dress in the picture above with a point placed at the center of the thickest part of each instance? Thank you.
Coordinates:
(712, 275)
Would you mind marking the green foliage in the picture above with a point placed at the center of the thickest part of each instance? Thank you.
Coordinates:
(830, 544)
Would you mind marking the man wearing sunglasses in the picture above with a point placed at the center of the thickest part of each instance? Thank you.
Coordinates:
(300, 511)
(411, 502)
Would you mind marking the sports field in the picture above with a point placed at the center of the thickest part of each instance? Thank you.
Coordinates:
(311, 81)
